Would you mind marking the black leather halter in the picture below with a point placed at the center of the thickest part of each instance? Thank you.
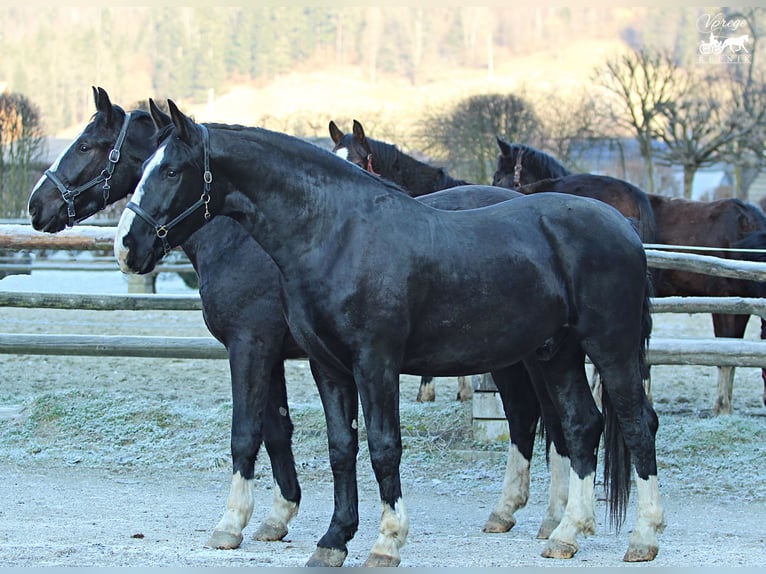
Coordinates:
(69, 195)
(162, 229)
(517, 169)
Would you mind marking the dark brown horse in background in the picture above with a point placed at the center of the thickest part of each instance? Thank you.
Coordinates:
(724, 224)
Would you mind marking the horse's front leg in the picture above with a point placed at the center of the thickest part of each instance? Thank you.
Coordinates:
(378, 384)
(250, 373)
(341, 407)
(278, 432)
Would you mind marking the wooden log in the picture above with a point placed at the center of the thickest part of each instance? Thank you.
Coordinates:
(709, 352)
(113, 346)
(707, 265)
(82, 237)
(729, 305)
(129, 302)
(89, 266)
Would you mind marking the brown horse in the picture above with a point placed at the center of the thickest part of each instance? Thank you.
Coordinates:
(726, 224)
(528, 170)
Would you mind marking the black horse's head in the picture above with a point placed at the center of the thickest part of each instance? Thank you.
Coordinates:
(519, 164)
(101, 166)
(171, 201)
(354, 146)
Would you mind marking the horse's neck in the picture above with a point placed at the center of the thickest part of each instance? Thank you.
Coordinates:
(542, 165)
(419, 178)
(288, 210)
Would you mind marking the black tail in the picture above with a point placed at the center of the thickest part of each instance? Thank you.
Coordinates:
(617, 459)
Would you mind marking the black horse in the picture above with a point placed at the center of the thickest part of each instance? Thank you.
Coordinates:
(417, 177)
(232, 267)
(375, 282)
(724, 223)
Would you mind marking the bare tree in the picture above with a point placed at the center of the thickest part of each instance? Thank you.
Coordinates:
(21, 143)
(463, 137)
(641, 83)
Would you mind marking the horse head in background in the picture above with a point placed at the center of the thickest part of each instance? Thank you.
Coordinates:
(100, 166)
(388, 161)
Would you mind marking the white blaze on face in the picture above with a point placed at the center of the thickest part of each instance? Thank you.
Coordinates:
(342, 152)
(54, 166)
(128, 215)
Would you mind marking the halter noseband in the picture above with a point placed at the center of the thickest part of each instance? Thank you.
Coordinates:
(68, 195)
(517, 169)
(162, 229)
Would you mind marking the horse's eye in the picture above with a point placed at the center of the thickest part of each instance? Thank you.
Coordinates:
(171, 173)
(83, 147)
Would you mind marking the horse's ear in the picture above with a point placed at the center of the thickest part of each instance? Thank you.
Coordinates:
(359, 132)
(505, 147)
(335, 133)
(160, 118)
(183, 124)
(103, 104)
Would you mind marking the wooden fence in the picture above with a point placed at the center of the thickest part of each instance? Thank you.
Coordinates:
(662, 351)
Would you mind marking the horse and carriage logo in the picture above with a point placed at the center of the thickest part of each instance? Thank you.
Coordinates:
(723, 38)
(716, 46)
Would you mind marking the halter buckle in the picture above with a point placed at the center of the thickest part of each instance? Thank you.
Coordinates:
(114, 155)
(162, 232)
(208, 177)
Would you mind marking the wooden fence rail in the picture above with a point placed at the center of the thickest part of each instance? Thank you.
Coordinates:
(710, 352)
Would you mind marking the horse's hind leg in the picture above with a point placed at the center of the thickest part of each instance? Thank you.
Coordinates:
(426, 390)
(631, 422)
(522, 412)
(565, 379)
(522, 403)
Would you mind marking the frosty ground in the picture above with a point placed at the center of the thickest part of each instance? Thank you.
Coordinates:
(125, 462)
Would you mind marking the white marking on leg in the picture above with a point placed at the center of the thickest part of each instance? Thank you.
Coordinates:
(126, 219)
(580, 514)
(651, 518)
(282, 510)
(394, 527)
(515, 485)
(558, 492)
(342, 152)
(239, 506)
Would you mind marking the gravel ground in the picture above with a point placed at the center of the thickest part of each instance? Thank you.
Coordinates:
(118, 461)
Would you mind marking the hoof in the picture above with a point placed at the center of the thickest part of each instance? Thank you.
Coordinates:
(270, 532)
(546, 528)
(221, 540)
(380, 561)
(641, 554)
(325, 557)
(497, 525)
(559, 549)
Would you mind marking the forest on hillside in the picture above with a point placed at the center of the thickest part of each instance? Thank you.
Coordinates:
(52, 54)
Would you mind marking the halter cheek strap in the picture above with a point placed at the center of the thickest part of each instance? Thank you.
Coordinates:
(162, 229)
(517, 169)
(69, 195)
(369, 165)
